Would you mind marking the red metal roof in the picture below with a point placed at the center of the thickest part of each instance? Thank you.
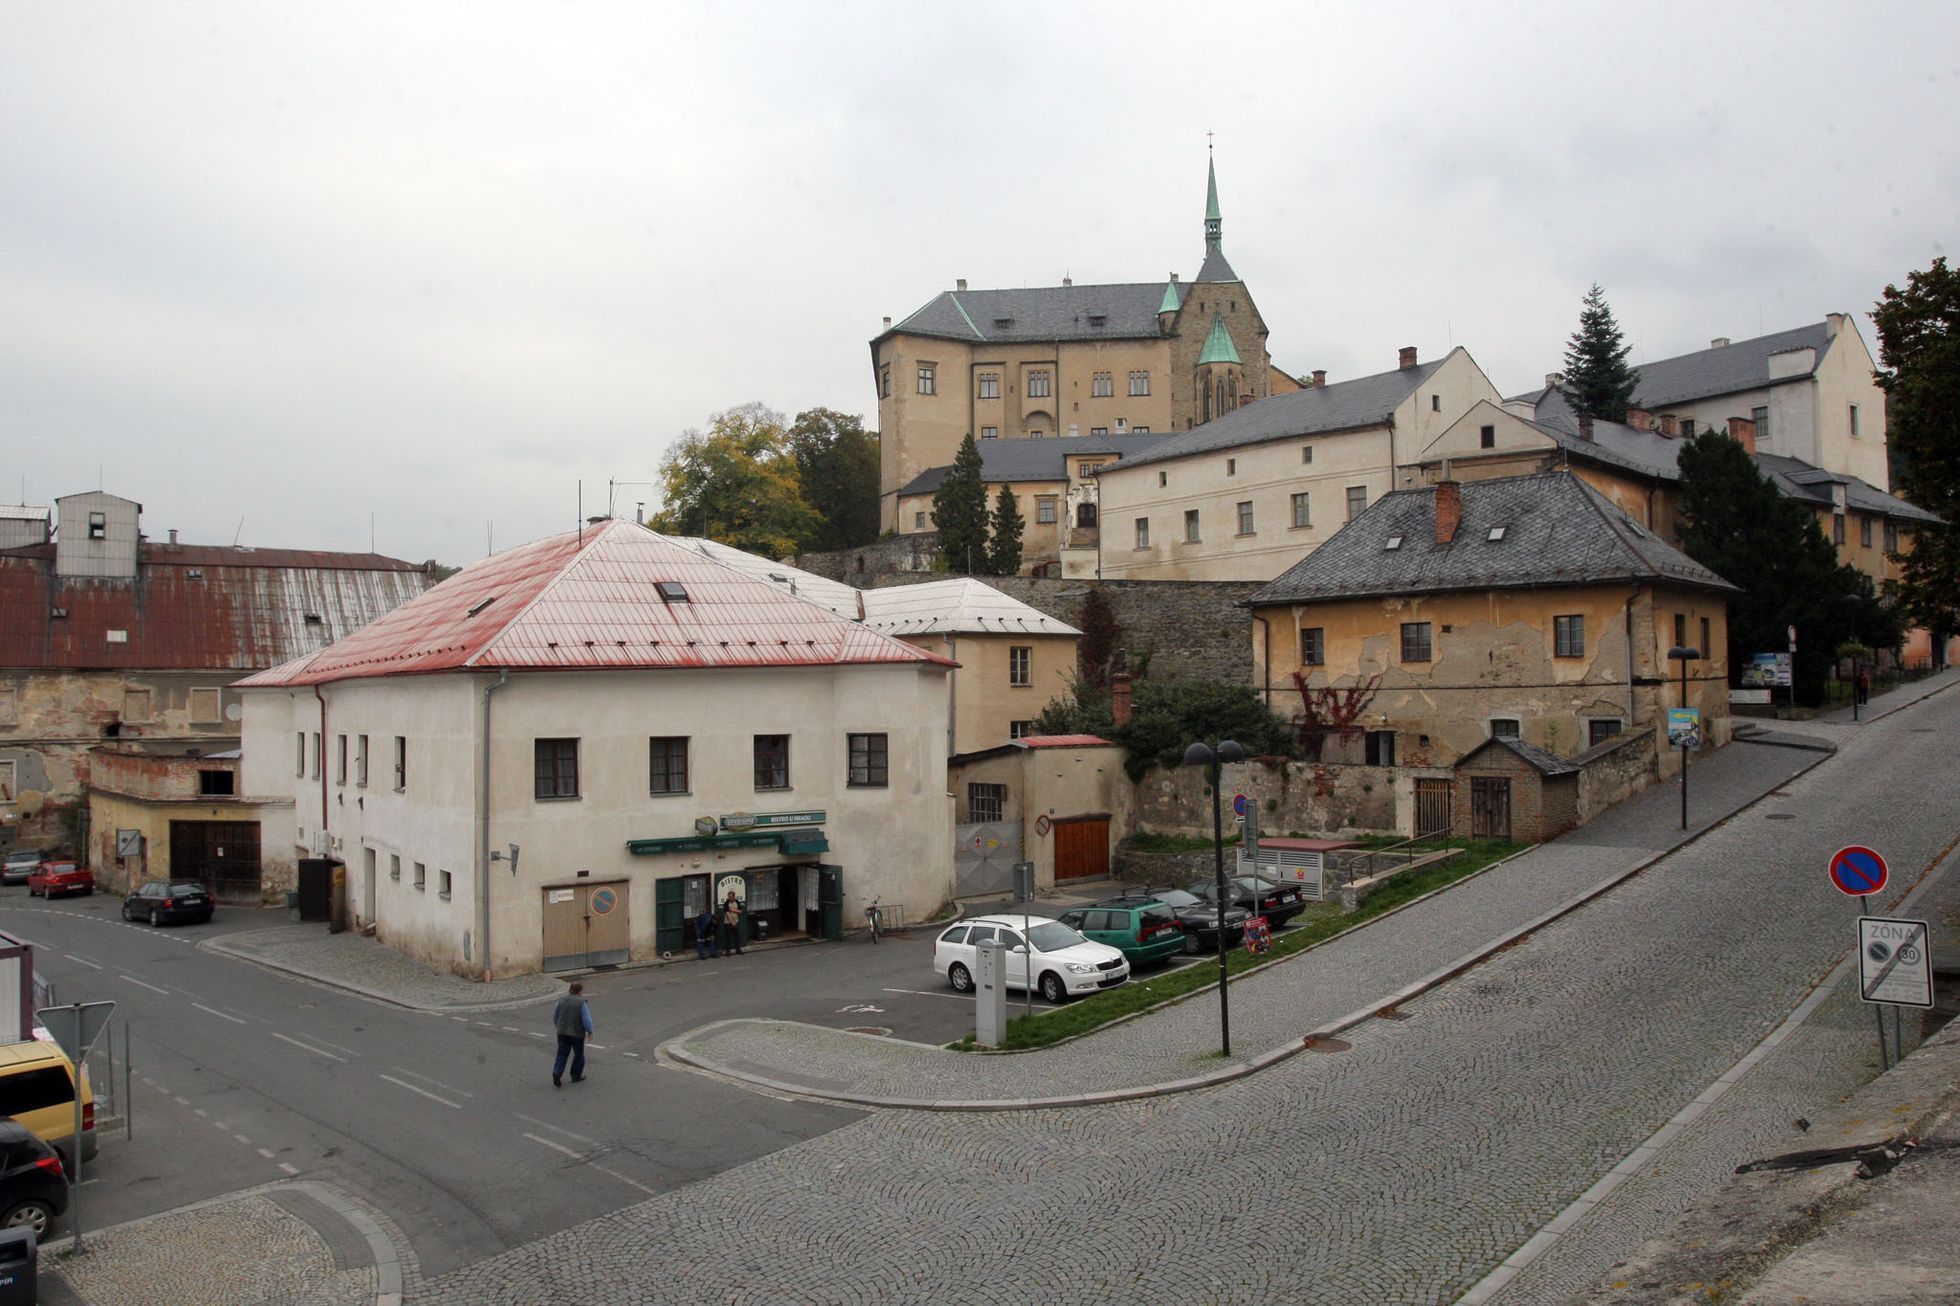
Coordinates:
(193, 608)
(588, 601)
(1063, 741)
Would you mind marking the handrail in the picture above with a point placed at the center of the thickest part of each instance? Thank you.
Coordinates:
(1373, 856)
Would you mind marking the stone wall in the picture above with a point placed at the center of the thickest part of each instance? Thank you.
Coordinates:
(866, 564)
(1614, 770)
(1186, 629)
(1304, 798)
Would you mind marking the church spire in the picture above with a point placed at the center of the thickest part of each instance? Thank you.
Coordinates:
(1215, 267)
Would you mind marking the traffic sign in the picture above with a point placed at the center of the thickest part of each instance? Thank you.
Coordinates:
(1895, 961)
(1238, 806)
(1858, 871)
(75, 1029)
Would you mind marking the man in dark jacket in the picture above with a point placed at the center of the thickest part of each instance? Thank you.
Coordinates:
(572, 1018)
(704, 935)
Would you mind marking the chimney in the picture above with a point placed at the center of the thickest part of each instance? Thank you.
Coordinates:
(1173, 278)
(1068, 281)
(1742, 430)
(1408, 356)
(173, 537)
(1640, 419)
(1553, 380)
(961, 283)
(1668, 428)
(1449, 509)
(1119, 699)
(888, 324)
(1320, 378)
(1585, 426)
(1719, 342)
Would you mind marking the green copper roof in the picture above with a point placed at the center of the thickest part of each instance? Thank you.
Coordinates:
(1171, 302)
(1218, 345)
(1211, 192)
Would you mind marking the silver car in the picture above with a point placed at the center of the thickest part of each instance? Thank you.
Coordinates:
(20, 863)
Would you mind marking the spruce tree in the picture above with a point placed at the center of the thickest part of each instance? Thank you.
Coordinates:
(1598, 381)
(1004, 553)
(959, 511)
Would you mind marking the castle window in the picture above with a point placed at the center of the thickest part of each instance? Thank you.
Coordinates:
(1102, 385)
(885, 381)
(1140, 383)
(990, 433)
(926, 383)
(1040, 384)
(990, 385)
(1143, 532)
(1487, 437)
(1044, 510)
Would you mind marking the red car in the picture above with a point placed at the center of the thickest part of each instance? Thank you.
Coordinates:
(60, 877)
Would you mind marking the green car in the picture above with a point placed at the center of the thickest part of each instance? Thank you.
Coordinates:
(1146, 932)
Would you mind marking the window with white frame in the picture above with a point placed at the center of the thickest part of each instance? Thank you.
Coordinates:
(1191, 535)
(870, 761)
(1019, 729)
(1140, 383)
(927, 384)
(989, 385)
(1357, 500)
(1245, 516)
(1302, 510)
(990, 433)
(1020, 666)
(1569, 637)
(1044, 510)
(1143, 532)
(1040, 384)
(1102, 385)
(1313, 646)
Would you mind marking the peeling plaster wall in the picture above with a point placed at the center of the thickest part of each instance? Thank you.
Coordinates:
(1306, 797)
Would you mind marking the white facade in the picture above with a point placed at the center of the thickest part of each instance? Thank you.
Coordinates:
(893, 841)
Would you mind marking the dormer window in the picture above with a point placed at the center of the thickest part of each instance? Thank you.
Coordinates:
(1394, 543)
(1496, 534)
(671, 591)
(1097, 319)
(315, 619)
(1003, 323)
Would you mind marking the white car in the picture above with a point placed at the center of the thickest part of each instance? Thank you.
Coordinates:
(1064, 963)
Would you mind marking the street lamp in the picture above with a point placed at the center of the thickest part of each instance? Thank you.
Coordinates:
(1684, 655)
(1213, 759)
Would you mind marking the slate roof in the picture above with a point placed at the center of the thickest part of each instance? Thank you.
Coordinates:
(587, 601)
(1343, 406)
(1741, 365)
(193, 607)
(959, 606)
(1215, 268)
(1557, 531)
(1799, 480)
(1039, 460)
(1034, 313)
(1541, 760)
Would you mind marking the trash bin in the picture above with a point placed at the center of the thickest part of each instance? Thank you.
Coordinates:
(761, 928)
(18, 1280)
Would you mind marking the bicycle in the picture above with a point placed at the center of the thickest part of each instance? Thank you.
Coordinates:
(874, 919)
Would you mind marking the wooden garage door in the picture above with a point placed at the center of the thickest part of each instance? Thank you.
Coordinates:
(1082, 848)
(585, 925)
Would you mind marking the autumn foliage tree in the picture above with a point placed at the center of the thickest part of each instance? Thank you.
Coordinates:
(736, 483)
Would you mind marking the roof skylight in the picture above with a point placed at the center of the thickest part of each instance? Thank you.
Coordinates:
(671, 590)
(1496, 534)
(1394, 543)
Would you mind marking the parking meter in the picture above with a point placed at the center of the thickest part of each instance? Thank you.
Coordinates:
(990, 988)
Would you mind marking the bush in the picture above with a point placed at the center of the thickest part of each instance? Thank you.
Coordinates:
(1173, 714)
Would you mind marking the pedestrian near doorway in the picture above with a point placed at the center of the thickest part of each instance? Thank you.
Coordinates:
(1864, 687)
(704, 935)
(572, 1018)
(731, 924)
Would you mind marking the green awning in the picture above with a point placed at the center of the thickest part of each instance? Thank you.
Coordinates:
(806, 842)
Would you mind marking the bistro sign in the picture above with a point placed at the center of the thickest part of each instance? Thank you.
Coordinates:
(790, 832)
(738, 822)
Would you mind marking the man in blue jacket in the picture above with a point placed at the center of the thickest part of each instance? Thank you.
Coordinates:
(572, 1018)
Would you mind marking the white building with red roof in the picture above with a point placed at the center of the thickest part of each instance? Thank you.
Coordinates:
(632, 728)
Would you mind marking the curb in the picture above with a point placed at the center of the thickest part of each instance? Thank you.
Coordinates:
(1264, 1060)
(220, 947)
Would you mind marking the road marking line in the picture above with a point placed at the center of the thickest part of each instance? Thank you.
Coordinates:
(437, 1082)
(183, 1101)
(200, 1111)
(556, 1147)
(219, 1124)
(288, 1169)
(556, 1129)
(510, 1029)
(308, 1047)
(144, 984)
(486, 1024)
(928, 993)
(453, 1106)
(265, 1152)
(84, 961)
(534, 1034)
(219, 1014)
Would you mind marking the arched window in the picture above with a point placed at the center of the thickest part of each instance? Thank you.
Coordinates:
(1207, 393)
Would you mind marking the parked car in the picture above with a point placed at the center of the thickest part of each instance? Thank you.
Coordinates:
(52, 878)
(168, 900)
(33, 1190)
(37, 1089)
(1145, 932)
(1060, 961)
(1278, 903)
(20, 863)
(1199, 918)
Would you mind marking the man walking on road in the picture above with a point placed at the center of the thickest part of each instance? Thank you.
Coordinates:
(572, 1018)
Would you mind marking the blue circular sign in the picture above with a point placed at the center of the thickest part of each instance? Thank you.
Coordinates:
(1238, 804)
(603, 901)
(1858, 871)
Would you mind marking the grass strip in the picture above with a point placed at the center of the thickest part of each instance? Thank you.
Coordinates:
(1085, 1014)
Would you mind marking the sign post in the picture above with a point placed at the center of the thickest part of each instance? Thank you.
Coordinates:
(1895, 966)
(74, 1029)
(1859, 872)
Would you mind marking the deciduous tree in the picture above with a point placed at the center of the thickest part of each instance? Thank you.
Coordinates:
(736, 483)
(837, 467)
(1919, 345)
(1598, 381)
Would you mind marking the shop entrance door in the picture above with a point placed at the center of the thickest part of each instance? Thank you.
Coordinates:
(586, 925)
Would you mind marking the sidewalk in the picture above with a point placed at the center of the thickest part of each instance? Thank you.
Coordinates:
(375, 970)
(1317, 993)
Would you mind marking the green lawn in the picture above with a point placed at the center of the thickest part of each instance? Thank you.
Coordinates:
(1318, 924)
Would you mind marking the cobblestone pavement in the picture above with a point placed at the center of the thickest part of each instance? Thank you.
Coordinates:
(361, 965)
(277, 1244)
(1400, 1170)
(1273, 1006)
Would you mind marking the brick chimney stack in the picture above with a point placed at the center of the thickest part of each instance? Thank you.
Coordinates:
(1408, 357)
(1449, 510)
(1320, 378)
(1742, 430)
(1119, 699)
(1640, 419)
(1585, 426)
(961, 283)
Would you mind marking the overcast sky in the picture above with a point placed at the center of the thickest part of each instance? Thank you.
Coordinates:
(430, 265)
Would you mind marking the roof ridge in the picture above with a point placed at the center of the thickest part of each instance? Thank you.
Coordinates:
(557, 579)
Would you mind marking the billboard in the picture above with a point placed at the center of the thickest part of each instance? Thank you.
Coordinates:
(1684, 727)
(1767, 670)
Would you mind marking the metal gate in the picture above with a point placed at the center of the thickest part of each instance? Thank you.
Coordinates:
(983, 857)
(1434, 798)
(585, 925)
(222, 854)
(1490, 807)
